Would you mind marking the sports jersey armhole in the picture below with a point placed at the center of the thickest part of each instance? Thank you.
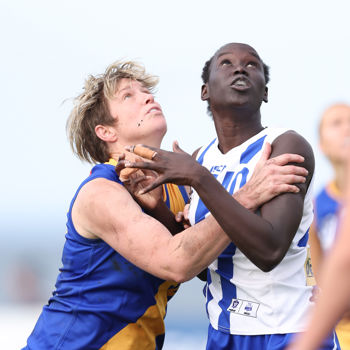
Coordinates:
(73, 230)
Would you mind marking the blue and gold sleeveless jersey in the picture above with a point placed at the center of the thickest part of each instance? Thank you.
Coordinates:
(327, 208)
(102, 301)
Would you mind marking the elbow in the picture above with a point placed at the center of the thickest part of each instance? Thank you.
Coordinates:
(180, 278)
(182, 273)
(269, 261)
(266, 267)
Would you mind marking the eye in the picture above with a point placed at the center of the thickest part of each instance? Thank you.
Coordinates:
(225, 62)
(251, 64)
(126, 96)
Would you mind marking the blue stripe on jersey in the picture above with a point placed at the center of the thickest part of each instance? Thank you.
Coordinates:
(207, 292)
(303, 241)
(201, 210)
(252, 150)
(325, 205)
(183, 193)
(227, 178)
(201, 157)
(244, 172)
(225, 270)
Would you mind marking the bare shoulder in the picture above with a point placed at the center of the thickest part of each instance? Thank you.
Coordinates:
(292, 142)
(99, 186)
(100, 203)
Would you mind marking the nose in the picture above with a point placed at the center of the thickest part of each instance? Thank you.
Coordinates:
(149, 98)
(239, 69)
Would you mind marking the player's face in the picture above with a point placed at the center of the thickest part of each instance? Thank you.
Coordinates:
(236, 78)
(335, 133)
(139, 118)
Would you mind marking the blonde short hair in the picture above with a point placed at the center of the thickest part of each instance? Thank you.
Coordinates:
(91, 108)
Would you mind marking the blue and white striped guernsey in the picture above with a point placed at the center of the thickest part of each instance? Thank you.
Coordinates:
(242, 299)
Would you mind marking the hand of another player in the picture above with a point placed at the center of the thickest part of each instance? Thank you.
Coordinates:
(136, 180)
(176, 167)
(271, 177)
(182, 217)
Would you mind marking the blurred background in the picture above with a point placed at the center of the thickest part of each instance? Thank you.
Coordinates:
(47, 50)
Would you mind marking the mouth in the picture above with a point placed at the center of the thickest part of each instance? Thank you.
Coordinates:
(154, 109)
(240, 84)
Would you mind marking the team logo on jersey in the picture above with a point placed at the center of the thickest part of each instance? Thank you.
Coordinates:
(217, 169)
(244, 307)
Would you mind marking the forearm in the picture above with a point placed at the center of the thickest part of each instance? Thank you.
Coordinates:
(164, 215)
(248, 231)
(192, 250)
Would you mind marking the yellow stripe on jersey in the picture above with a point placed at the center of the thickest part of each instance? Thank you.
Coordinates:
(176, 200)
(142, 333)
(112, 162)
(334, 191)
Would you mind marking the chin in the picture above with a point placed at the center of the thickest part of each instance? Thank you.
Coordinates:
(160, 126)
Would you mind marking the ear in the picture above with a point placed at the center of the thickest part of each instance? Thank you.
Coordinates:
(265, 98)
(205, 92)
(106, 133)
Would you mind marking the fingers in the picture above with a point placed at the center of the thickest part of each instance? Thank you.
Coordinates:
(284, 188)
(125, 173)
(179, 217)
(272, 170)
(186, 212)
(293, 169)
(176, 148)
(281, 180)
(286, 158)
(140, 165)
(142, 151)
(158, 182)
(266, 152)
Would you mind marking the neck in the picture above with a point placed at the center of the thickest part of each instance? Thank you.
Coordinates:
(118, 148)
(340, 178)
(235, 128)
